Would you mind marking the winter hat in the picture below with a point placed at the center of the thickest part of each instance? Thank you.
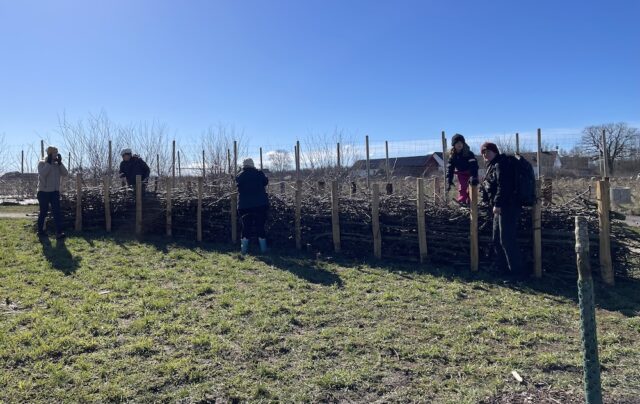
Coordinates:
(489, 146)
(457, 138)
(125, 151)
(248, 163)
(52, 150)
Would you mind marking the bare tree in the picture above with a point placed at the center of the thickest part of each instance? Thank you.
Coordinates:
(280, 160)
(621, 140)
(4, 155)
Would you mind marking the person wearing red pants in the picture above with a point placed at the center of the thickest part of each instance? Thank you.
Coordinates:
(463, 163)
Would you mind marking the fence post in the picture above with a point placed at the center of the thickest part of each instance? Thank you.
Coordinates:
(386, 153)
(235, 158)
(422, 234)
(375, 221)
(199, 211)
(335, 215)
(338, 155)
(138, 205)
(41, 148)
(234, 218)
(78, 226)
(298, 202)
(603, 197)
(169, 214)
(444, 168)
(366, 139)
(537, 232)
(591, 374)
(517, 143)
(261, 158)
(475, 257)
(107, 202)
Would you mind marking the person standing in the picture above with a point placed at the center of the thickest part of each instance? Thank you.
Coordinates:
(253, 204)
(499, 190)
(50, 170)
(132, 165)
(463, 163)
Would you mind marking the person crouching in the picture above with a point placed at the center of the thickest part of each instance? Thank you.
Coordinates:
(50, 170)
(253, 204)
(463, 162)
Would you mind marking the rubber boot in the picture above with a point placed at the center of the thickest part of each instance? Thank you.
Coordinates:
(263, 245)
(244, 246)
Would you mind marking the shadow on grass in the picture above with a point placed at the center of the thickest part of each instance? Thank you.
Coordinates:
(59, 256)
(623, 297)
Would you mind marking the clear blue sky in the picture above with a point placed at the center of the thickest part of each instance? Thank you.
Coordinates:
(277, 69)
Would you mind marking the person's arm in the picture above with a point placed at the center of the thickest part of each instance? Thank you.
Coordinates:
(473, 168)
(122, 172)
(504, 176)
(265, 179)
(145, 170)
(44, 168)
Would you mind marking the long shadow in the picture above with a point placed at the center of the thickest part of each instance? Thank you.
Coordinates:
(623, 297)
(59, 256)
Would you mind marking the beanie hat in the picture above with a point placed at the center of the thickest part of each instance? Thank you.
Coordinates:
(125, 151)
(248, 163)
(457, 138)
(489, 146)
(52, 150)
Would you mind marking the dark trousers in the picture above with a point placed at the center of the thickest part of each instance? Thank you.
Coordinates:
(505, 242)
(44, 200)
(253, 220)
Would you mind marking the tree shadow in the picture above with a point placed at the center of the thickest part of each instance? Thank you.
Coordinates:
(59, 256)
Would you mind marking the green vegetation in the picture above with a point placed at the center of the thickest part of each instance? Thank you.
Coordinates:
(107, 318)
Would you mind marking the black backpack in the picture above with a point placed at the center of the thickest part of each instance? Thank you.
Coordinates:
(525, 187)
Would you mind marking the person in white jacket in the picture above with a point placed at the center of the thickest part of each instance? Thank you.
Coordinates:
(50, 170)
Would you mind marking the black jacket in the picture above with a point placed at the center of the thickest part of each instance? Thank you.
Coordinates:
(499, 184)
(135, 166)
(460, 162)
(251, 188)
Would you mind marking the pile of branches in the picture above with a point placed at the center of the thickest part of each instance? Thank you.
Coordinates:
(447, 227)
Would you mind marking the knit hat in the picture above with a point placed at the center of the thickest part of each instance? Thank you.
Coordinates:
(125, 151)
(248, 163)
(52, 150)
(457, 138)
(489, 146)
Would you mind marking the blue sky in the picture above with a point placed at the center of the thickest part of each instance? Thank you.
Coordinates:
(395, 70)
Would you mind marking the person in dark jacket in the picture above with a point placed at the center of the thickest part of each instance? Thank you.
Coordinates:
(498, 189)
(133, 165)
(463, 163)
(252, 205)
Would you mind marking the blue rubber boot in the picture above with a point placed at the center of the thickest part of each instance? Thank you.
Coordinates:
(263, 245)
(244, 246)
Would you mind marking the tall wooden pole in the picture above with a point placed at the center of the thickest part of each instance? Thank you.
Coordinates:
(235, 158)
(297, 156)
(338, 155)
(366, 141)
(386, 153)
(41, 148)
(261, 168)
(444, 168)
(539, 156)
(204, 165)
(173, 164)
(110, 160)
(517, 143)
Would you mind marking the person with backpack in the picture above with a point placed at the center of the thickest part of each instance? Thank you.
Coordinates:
(133, 165)
(463, 163)
(499, 189)
(50, 170)
(253, 204)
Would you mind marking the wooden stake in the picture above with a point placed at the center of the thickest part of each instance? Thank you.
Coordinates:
(604, 207)
(235, 158)
(41, 148)
(234, 217)
(537, 232)
(199, 211)
(107, 202)
(375, 221)
(22, 162)
(475, 256)
(335, 215)
(78, 202)
(366, 141)
(298, 210)
(261, 159)
(517, 143)
(173, 164)
(422, 234)
(138, 205)
(110, 160)
(169, 220)
(204, 166)
(444, 168)
(338, 154)
(539, 153)
(386, 153)
(297, 156)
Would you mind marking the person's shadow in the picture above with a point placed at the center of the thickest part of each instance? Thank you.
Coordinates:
(59, 256)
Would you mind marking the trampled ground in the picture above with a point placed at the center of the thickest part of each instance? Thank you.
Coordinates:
(107, 318)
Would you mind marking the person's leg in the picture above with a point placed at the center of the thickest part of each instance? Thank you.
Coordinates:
(509, 219)
(245, 222)
(57, 214)
(43, 202)
(261, 218)
(463, 186)
(500, 260)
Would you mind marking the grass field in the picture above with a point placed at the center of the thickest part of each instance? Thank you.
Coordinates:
(104, 318)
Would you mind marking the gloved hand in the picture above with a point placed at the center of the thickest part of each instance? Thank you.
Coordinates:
(474, 181)
(59, 158)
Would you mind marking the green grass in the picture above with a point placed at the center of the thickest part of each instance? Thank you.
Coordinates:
(103, 319)
(18, 209)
